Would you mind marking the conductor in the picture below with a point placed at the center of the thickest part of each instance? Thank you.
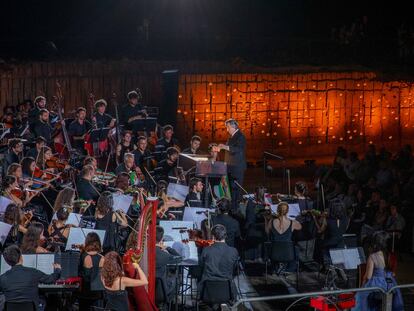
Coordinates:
(235, 157)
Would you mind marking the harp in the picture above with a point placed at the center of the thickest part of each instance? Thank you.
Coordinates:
(141, 250)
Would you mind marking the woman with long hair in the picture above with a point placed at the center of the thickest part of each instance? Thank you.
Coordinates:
(14, 216)
(21, 198)
(65, 197)
(58, 230)
(378, 274)
(91, 263)
(32, 240)
(115, 282)
(45, 154)
(108, 220)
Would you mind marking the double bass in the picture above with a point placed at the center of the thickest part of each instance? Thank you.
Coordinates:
(141, 249)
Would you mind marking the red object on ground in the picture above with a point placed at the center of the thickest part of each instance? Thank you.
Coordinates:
(345, 301)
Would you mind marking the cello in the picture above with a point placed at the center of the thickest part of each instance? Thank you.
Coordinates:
(141, 249)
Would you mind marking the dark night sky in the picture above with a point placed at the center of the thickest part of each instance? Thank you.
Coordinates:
(103, 28)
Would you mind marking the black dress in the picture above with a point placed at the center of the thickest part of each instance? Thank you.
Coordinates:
(117, 300)
(106, 223)
(92, 288)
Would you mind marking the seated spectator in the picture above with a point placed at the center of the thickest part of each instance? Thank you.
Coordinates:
(395, 222)
(20, 284)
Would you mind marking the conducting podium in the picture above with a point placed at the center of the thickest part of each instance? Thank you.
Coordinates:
(204, 167)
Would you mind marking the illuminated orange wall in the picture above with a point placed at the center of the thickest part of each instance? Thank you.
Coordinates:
(297, 114)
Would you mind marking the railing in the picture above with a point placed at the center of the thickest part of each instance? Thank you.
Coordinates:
(386, 296)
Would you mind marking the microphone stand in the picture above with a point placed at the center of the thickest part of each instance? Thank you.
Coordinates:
(273, 156)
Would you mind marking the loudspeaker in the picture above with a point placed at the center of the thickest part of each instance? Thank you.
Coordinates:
(169, 103)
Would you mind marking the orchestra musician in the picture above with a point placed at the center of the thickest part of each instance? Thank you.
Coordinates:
(87, 191)
(20, 283)
(126, 146)
(10, 185)
(115, 282)
(40, 142)
(133, 110)
(142, 154)
(42, 126)
(14, 216)
(194, 146)
(33, 238)
(14, 153)
(58, 230)
(100, 118)
(235, 157)
(90, 161)
(165, 168)
(224, 218)
(127, 166)
(167, 141)
(109, 220)
(39, 104)
(65, 197)
(91, 262)
(78, 129)
(194, 197)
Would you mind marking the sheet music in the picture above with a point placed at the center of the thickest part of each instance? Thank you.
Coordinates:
(171, 231)
(187, 250)
(294, 210)
(78, 235)
(29, 260)
(349, 258)
(122, 202)
(4, 231)
(196, 215)
(177, 191)
(45, 263)
(3, 204)
(73, 219)
(4, 266)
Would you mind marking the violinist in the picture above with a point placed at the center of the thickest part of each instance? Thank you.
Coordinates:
(86, 190)
(127, 166)
(232, 225)
(165, 168)
(39, 104)
(32, 172)
(281, 227)
(13, 155)
(78, 129)
(126, 146)
(16, 170)
(12, 191)
(65, 197)
(101, 119)
(110, 221)
(42, 126)
(58, 230)
(40, 143)
(33, 239)
(14, 216)
(142, 154)
(89, 160)
(91, 262)
(45, 155)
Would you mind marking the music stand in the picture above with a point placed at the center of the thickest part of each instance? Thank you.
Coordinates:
(144, 125)
(209, 169)
(100, 134)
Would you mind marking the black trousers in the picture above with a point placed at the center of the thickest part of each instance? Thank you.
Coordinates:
(238, 176)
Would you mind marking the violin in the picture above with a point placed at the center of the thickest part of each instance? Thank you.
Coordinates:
(57, 163)
(196, 236)
(44, 175)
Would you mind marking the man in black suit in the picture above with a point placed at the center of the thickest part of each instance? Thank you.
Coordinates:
(235, 157)
(165, 256)
(194, 197)
(218, 261)
(20, 284)
(232, 225)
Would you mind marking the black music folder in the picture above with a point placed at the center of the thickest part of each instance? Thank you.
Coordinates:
(98, 135)
(144, 125)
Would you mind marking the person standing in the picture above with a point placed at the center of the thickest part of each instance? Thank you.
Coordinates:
(235, 157)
